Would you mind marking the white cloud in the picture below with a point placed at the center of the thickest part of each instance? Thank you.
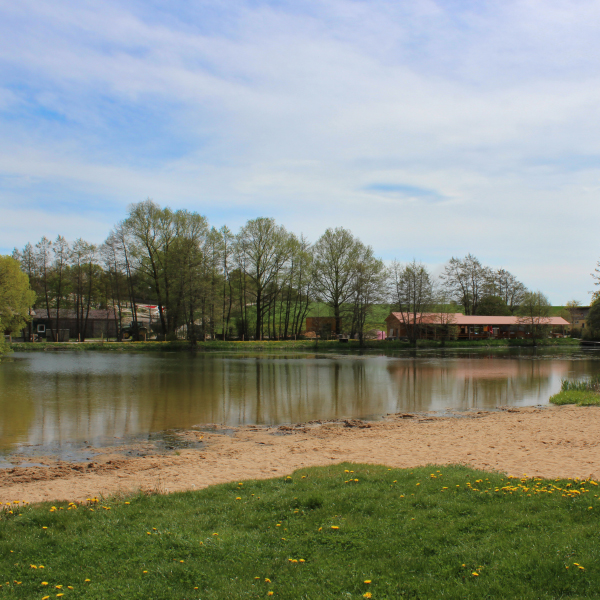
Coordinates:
(303, 112)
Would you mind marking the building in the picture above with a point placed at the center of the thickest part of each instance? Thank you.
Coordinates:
(100, 323)
(322, 326)
(472, 327)
(579, 316)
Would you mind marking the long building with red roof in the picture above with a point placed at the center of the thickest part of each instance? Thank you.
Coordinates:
(468, 326)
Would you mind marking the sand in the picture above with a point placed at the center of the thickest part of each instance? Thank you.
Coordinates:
(545, 442)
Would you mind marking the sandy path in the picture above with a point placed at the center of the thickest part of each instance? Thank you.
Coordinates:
(549, 442)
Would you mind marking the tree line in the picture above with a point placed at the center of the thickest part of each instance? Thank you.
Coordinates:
(259, 283)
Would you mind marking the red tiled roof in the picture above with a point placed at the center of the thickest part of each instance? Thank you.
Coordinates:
(460, 319)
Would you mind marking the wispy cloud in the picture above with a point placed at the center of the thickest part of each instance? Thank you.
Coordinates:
(477, 122)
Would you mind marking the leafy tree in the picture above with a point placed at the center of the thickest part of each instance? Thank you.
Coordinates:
(262, 250)
(4, 347)
(466, 279)
(16, 296)
(336, 255)
(505, 285)
(369, 289)
(534, 313)
(493, 305)
(593, 321)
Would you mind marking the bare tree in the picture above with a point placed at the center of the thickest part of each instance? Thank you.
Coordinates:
(534, 314)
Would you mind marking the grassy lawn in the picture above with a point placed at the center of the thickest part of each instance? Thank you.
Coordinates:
(345, 531)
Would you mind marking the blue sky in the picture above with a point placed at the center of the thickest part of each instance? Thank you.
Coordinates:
(430, 129)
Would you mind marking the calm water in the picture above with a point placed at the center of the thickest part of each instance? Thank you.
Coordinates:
(51, 400)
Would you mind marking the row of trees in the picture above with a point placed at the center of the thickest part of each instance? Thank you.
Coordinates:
(260, 282)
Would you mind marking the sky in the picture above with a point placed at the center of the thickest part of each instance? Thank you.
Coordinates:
(431, 129)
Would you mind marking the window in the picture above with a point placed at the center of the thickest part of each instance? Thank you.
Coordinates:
(41, 328)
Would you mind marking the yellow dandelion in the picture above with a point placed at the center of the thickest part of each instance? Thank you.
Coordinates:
(367, 595)
(334, 527)
(87, 580)
(269, 593)
(475, 574)
(267, 580)
(367, 581)
(44, 583)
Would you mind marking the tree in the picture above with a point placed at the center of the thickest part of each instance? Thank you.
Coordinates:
(411, 291)
(16, 296)
(593, 321)
(62, 254)
(493, 305)
(466, 281)
(262, 249)
(534, 313)
(369, 289)
(336, 255)
(506, 286)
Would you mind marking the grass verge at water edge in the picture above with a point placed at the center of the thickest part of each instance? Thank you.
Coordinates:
(293, 345)
(345, 531)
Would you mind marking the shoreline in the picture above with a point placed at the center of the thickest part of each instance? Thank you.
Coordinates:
(297, 345)
(547, 442)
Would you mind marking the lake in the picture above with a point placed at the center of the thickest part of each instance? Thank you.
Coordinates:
(57, 400)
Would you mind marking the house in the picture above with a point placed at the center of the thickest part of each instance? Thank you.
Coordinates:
(579, 316)
(323, 326)
(435, 325)
(100, 323)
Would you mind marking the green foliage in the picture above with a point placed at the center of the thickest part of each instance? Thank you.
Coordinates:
(493, 305)
(16, 297)
(343, 531)
(593, 321)
(4, 347)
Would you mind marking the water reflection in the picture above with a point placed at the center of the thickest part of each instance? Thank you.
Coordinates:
(51, 399)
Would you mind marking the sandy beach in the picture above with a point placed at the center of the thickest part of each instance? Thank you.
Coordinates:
(547, 442)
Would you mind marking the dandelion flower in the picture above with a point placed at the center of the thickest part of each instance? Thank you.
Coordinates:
(87, 580)
(267, 580)
(269, 593)
(44, 583)
(367, 595)
(475, 574)
(334, 527)
(367, 581)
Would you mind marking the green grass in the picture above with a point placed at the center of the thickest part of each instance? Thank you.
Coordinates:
(580, 398)
(583, 392)
(419, 533)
